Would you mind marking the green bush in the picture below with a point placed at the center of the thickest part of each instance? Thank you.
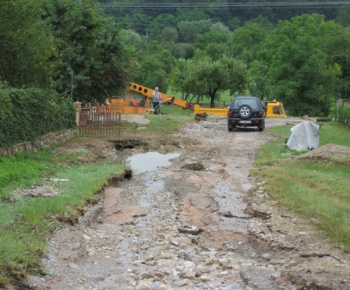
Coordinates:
(343, 115)
(26, 114)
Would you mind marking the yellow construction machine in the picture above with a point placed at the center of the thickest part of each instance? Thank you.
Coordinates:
(274, 109)
(138, 98)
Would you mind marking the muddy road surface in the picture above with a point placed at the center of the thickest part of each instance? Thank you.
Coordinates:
(191, 217)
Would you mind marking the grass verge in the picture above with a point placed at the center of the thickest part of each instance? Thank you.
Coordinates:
(26, 222)
(317, 188)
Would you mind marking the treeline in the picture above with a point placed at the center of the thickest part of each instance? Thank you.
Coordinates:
(282, 49)
(88, 51)
(140, 15)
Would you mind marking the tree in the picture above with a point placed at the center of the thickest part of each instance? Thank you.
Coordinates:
(203, 40)
(169, 34)
(191, 15)
(215, 76)
(162, 25)
(258, 82)
(188, 30)
(344, 17)
(179, 79)
(92, 62)
(180, 50)
(298, 72)
(26, 44)
(137, 21)
(154, 66)
(216, 50)
(246, 41)
(334, 40)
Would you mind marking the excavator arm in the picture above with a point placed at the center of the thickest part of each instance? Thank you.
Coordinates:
(147, 92)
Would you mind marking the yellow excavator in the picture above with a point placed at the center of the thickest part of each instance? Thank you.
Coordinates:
(137, 100)
(138, 97)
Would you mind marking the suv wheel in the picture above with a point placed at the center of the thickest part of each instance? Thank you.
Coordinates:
(245, 111)
(262, 126)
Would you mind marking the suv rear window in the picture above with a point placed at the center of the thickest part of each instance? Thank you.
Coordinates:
(251, 102)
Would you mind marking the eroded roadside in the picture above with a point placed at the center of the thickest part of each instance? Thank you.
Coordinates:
(177, 228)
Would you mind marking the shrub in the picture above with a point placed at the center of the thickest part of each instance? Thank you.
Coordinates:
(343, 115)
(26, 114)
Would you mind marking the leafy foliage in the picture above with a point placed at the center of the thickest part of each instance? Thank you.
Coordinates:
(92, 63)
(154, 66)
(26, 44)
(208, 77)
(28, 114)
(343, 114)
(247, 40)
(298, 72)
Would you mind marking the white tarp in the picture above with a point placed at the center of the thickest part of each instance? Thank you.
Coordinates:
(305, 136)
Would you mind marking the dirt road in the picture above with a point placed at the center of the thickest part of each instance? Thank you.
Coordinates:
(200, 222)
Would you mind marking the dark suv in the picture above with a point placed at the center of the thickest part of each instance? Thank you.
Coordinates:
(246, 111)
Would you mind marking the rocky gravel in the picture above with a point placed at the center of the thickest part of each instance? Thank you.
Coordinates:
(182, 227)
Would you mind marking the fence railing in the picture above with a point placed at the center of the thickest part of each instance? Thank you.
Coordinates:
(99, 120)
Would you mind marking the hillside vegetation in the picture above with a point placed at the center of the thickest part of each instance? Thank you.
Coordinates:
(293, 51)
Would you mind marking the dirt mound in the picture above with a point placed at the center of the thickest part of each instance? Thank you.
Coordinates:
(330, 152)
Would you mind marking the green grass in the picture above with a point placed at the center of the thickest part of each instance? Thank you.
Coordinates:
(26, 222)
(21, 170)
(168, 123)
(176, 119)
(177, 111)
(313, 188)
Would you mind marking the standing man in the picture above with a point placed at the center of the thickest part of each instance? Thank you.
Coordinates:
(156, 100)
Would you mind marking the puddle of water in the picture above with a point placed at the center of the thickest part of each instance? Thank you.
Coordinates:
(149, 161)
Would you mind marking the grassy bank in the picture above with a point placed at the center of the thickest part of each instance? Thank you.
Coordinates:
(316, 187)
(26, 221)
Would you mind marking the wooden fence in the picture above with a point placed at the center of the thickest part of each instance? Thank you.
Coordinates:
(99, 121)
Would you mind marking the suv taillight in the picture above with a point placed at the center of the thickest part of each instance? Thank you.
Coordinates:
(230, 113)
(261, 113)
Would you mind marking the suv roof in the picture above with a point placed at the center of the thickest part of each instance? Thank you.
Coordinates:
(253, 102)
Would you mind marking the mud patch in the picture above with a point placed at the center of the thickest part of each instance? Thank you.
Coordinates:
(197, 166)
(91, 149)
(120, 145)
(117, 212)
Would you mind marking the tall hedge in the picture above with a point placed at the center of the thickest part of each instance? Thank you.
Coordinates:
(26, 114)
